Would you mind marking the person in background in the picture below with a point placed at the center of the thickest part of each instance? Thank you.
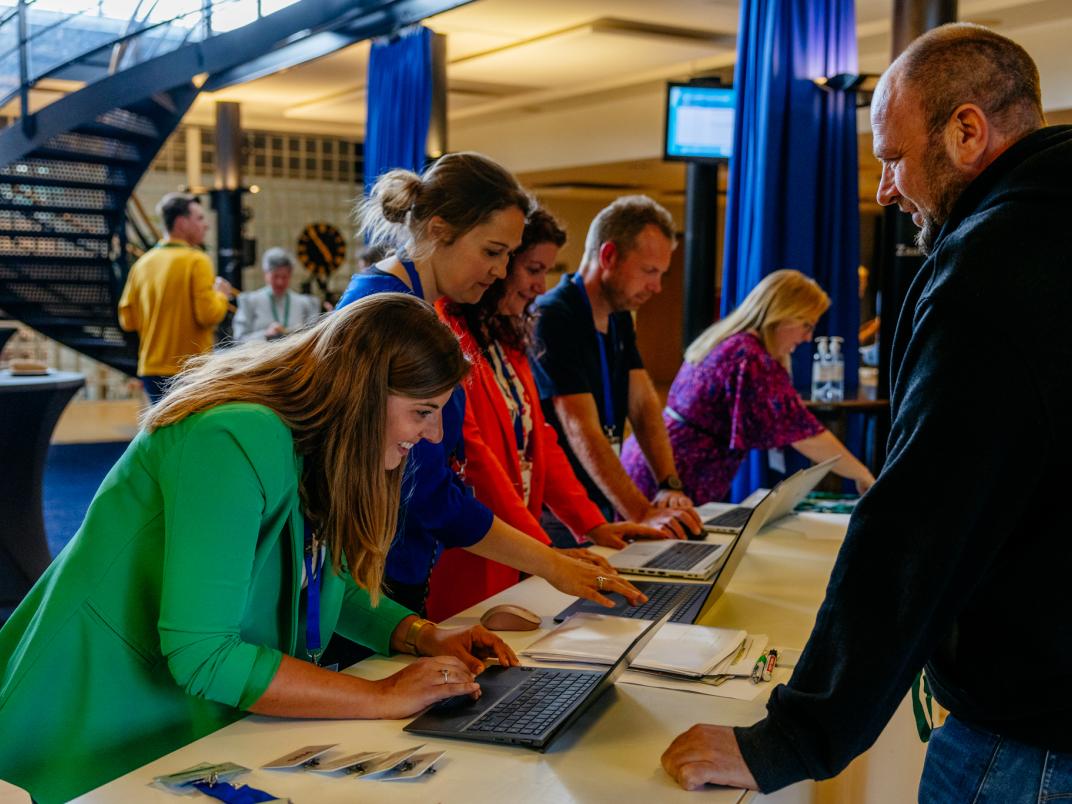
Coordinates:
(183, 602)
(451, 231)
(589, 373)
(733, 393)
(515, 464)
(173, 298)
(274, 310)
(959, 555)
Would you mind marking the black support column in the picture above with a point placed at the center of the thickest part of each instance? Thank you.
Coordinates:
(227, 192)
(701, 248)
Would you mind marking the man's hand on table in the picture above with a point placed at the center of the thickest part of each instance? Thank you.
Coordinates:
(707, 754)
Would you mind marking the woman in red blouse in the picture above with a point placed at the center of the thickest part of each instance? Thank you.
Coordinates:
(521, 467)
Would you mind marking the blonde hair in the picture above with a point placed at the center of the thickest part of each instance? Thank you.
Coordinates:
(780, 296)
(463, 189)
(329, 384)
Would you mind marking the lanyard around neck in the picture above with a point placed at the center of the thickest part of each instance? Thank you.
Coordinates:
(609, 421)
(414, 278)
(313, 573)
(512, 385)
(286, 308)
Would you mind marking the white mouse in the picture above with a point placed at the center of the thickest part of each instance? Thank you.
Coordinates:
(508, 617)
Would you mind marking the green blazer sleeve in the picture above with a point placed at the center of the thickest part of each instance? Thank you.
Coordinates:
(213, 503)
(366, 624)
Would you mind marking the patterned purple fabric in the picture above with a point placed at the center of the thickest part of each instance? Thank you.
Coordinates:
(739, 398)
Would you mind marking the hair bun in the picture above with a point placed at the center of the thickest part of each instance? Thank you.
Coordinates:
(397, 191)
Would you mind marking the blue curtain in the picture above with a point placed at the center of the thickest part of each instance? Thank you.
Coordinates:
(399, 103)
(793, 195)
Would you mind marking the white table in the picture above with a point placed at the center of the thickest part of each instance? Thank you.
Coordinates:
(612, 753)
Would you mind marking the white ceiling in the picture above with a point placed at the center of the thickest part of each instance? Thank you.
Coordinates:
(507, 55)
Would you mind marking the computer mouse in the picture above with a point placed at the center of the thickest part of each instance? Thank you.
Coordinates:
(508, 617)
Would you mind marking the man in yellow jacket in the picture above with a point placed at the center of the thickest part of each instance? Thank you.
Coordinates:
(173, 298)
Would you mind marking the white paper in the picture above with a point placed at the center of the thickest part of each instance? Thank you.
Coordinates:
(754, 645)
(739, 689)
(601, 638)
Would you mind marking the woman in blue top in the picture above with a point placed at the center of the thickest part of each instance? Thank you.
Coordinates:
(453, 230)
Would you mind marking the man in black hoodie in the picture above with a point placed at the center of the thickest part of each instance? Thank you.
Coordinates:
(959, 557)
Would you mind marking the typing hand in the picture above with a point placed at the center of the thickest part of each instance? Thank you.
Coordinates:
(679, 523)
(707, 754)
(470, 646)
(422, 683)
(617, 534)
(667, 498)
(581, 579)
(581, 554)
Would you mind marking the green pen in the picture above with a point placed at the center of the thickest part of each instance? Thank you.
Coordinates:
(758, 668)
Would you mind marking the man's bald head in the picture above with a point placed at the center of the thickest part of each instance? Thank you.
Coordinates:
(964, 63)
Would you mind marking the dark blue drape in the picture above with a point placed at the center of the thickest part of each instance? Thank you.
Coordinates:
(399, 103)
(793, 199)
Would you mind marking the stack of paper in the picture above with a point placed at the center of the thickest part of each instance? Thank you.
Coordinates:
(692, 651)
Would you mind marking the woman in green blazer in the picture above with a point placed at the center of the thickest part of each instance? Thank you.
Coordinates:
(180, 604)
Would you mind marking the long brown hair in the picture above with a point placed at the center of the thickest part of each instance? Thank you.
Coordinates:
(483, 319)
(329, 384)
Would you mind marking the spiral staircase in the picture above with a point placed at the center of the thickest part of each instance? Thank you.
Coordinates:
(68, 169)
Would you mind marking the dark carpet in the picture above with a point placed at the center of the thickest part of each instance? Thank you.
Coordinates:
(72, 475)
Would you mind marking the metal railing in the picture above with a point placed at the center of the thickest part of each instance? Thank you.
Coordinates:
(39, 41)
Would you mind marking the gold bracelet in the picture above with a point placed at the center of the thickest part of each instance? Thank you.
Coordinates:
(415, 628)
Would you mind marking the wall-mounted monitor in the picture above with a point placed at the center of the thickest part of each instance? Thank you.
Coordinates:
(699, 122)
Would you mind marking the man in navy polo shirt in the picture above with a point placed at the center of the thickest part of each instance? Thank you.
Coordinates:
(590, 375)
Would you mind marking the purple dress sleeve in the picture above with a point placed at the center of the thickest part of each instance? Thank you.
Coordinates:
(767, 412)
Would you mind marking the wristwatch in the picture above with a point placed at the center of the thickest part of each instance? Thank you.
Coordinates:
(671, 483)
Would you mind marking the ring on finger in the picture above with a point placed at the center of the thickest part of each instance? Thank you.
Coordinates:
(600, 580)
(446, 676)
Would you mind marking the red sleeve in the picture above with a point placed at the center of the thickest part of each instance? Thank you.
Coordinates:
(563, 492)
(490, 480)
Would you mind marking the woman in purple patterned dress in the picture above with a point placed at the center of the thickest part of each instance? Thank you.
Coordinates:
(734, 393)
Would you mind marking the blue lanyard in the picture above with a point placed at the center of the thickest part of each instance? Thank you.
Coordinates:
(609, 422)
(223, 791)
(313, 572)
(414, 278)
(519, 428)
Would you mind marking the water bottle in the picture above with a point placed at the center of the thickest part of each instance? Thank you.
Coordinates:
(836, 373)
(819, 370)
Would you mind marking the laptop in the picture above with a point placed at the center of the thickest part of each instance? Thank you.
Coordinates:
(690, 601)
(528, 706)
(790, 492)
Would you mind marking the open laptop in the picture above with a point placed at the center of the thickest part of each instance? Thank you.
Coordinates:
(528, 706)
(790, 492)
(675, 559)
(691, 601)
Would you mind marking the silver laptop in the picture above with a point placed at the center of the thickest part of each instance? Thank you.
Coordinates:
(675, 559)
(690, 601)
(789, 494)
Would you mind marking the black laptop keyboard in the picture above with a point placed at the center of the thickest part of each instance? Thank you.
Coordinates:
(662, 597)
(733, 518)
(539, 701)
(682, 556)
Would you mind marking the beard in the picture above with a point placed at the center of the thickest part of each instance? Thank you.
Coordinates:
(944, 185)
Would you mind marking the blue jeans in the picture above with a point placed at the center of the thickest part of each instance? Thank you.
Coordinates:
(967, 764)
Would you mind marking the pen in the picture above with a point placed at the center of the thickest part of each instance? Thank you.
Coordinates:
(760, 666)
(772, 660)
